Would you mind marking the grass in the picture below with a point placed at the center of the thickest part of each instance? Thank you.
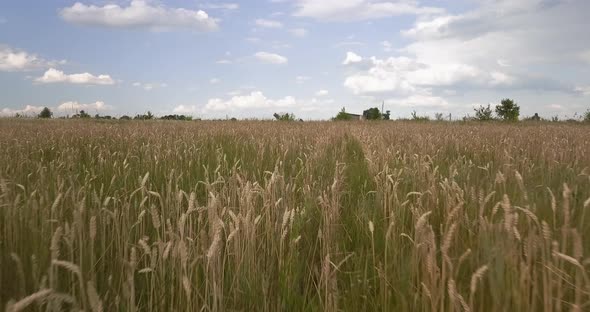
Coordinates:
(216, 216)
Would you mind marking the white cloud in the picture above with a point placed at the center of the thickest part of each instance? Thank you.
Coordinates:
(268, 23)
(224, 61)
(13, 60)
(255, 100)
(139, 14)
(185, 109)
(354, 10)
(352, 58)
(302, 79)
(28, 110)
(220, 6)
(405, 75)
(149, 86)
(583, 90)
(53, 75)
(387, 46)
(214, 80)
(271, 58)
(299, 32)
(252, 39)
(322, 93)
(74, 107)
(418, 100)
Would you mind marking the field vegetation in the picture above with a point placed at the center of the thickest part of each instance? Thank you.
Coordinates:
(102, 215)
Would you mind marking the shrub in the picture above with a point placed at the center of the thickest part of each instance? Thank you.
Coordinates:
(508, 110)
(45, 113)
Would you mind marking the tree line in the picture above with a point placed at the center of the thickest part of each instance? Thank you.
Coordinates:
(507, 110)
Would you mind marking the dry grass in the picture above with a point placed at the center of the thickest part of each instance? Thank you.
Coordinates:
(216, 216)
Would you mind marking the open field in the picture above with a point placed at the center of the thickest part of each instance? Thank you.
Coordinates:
(273, 216)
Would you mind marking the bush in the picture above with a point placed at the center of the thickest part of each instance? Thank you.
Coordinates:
(284, 116)
(45, 113)
(415, 117)
(342, 115)
(508, 110)
(483, 113)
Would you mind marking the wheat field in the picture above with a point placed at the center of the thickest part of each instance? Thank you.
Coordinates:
(287, 216)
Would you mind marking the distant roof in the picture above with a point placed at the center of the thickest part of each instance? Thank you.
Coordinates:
(356, 115)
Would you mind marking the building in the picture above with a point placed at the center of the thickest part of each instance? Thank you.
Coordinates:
(355, 116)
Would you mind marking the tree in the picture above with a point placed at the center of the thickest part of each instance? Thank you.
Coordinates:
(342, 115)
(438, 116)
(372, 114)
(45, 113)
(387, 115)
(536, 117)
(508, 110)
(483, 113)
(415, 117)
(587, 116)
(284, 117)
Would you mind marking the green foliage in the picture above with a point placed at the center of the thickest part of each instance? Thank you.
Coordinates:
(125, 117)
(387, 115)
(105, 117)
(508, 110)
(483, 113)
(147, 116)
(535, 117)
(45, 113)
(415, 117)
(177, 117)
(284, 116)
(342, 115)
(438, 116)
(82, 114)
(372, 114)
(587, 116)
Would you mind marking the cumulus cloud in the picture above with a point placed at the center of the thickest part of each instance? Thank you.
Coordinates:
(254, 100)
(14, 60)
(406, 75)
(352, 58)
(302, 79)
(185, 109)
(322, 93)
(28, 110)
(268, 23)
(139, 14)
(355, 10)
(149, 86)
(220, 6)
(74, 107)
(298, 32)
(271, 58)
(419, 100)
(53, 75)
(583, 90)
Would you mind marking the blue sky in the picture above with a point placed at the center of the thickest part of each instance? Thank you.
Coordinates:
(214, 59)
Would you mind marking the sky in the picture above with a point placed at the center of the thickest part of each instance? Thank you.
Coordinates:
(250, 59)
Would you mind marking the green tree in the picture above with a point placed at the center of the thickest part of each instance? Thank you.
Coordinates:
(372, 114)
(587, 116)
(284, 116)
(508, 110)
(483, 113)
(387, 115)
(342, 115)
(45, 113)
